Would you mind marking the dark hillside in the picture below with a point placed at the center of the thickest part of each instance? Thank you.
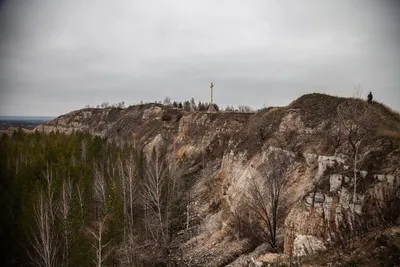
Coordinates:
(316, 107)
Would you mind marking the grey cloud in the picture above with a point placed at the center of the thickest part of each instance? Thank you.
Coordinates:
(70, 54)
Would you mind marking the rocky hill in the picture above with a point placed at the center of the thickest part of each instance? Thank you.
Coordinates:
(338, 160)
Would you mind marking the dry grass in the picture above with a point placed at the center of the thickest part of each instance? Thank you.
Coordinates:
(378, 248)
(182, 134)
(389, 134)
(220, 176)
(179, 153)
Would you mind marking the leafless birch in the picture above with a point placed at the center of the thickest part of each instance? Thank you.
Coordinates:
(128, 175)
(97, 231)
(45, 239)
(66, 196)
(154, 188)
(353, 116)
(99, 227)
(127, 170)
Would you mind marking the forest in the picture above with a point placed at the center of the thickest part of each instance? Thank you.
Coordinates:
(80, 200)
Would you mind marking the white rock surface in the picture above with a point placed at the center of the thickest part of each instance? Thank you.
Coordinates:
(335, 182)
(307, 244)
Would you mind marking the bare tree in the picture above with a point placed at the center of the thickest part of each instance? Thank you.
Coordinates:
(127, 170)
(105, 105)
(45, 239)
(353, 115)
(121, 104)
(99, 227)
(267, 199)
(128, 174)
(97, 230)
(163, 199)
(66, 197)
(127, 251)
(83, 150)
(80, 193)
(193, 106)
(167, 101)
(246, 109)
(178, 194)
(154, 190)
(99, 187)
(229, 108)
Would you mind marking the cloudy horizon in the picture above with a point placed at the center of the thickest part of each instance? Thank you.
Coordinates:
(58, 56)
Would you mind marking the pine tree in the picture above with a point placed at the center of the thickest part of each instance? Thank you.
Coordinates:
(186, 105)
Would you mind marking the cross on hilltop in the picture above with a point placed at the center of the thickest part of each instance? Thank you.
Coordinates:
(211, 108)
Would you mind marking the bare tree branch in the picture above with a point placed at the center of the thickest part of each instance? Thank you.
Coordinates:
(353, 115)
(267, 196)
(45, 239)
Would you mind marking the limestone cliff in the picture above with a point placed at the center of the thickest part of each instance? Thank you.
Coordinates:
(225, 152)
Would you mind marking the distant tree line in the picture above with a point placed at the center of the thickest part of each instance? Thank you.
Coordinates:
(240, 108)
(188, 105)
(108, 105)
(203, 106)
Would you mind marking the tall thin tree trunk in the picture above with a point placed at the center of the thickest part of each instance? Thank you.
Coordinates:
(45, 241)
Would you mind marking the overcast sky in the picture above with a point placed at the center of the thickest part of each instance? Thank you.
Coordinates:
(57, 56)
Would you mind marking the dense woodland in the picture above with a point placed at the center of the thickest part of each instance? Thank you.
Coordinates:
(79, 200)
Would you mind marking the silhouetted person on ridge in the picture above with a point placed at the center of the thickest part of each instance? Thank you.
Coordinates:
(370, 97)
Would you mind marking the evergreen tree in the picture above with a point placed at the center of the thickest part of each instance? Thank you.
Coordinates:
(186, 105)
(201, 106)
(193, 104)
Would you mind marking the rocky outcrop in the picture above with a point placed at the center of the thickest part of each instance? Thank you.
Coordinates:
(225, 152)
(307, 244)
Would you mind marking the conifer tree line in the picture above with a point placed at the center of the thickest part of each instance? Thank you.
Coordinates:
(203, 106)
(79, 200)
(189, 105)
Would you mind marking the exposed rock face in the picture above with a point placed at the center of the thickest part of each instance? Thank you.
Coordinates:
(226, 149)
(307, 244)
